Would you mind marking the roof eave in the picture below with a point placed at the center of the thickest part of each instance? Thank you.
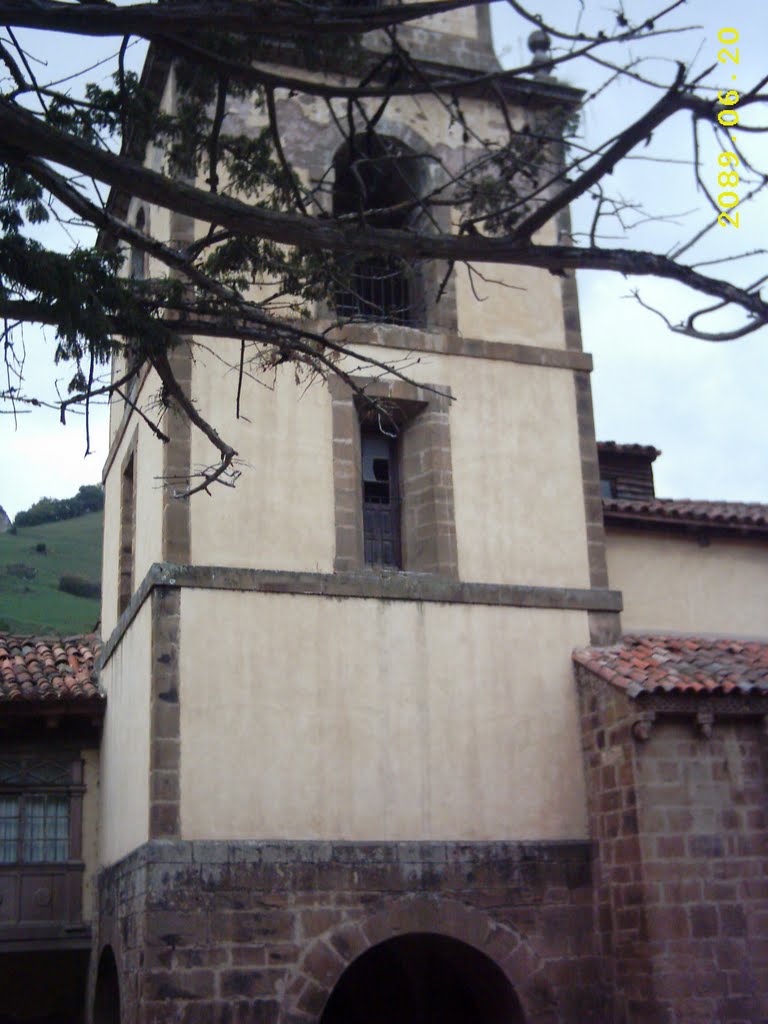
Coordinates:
(89, 708)
(689, 524)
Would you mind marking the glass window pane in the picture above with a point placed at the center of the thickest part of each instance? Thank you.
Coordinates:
(9, 829)
(46, 829)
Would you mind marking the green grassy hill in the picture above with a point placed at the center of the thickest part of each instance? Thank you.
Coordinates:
(30, 601)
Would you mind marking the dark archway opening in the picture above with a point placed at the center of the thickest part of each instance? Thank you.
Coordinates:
(106, 1001)
(378, 183)
(423, 979)
(44, 987)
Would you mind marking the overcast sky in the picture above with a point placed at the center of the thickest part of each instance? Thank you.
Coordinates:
(704, 405)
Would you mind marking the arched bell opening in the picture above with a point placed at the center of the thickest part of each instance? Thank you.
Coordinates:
(379, 182)
(106, 1001)
(423, 978)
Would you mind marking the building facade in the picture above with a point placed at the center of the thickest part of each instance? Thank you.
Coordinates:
(344, 701)
(346, 775)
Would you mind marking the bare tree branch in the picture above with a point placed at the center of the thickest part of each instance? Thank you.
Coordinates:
(240, 218)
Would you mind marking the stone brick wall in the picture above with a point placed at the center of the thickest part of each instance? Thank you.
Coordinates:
(678, 811)
(250, 933)
(620, 924)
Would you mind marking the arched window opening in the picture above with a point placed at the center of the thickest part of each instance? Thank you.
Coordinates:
(423, 979)
(138, 269)
(378, 182)
(106, 1002)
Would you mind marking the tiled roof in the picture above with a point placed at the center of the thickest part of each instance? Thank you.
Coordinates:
(46, 670)
(741, 515)
(680, 664)
(647, 450)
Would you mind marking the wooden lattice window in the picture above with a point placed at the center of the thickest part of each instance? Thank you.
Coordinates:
(41, 867)
(36, 813)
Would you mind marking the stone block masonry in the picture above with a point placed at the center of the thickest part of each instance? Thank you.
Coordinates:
(261, 932)
(678, 801)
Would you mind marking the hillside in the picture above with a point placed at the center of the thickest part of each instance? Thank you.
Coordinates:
(30, 601)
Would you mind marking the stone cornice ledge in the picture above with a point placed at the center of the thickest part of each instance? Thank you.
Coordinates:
(161, 853)
(450, 343)
(386, 586)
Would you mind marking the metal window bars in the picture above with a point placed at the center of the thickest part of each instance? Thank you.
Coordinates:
(380, 289)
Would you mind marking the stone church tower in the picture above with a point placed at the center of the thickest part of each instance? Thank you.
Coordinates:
(341, 766)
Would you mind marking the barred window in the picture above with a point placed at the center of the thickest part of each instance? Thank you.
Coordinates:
(378, 183)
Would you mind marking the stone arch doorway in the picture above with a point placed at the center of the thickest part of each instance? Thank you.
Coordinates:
(423, 978)
(106, 1000)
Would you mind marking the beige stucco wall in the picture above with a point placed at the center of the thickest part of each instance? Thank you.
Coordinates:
(520, 305)
(457, 23)
(90, 828)
(672, 582)
(149, 511)
(280, 514)
(362, 719)
(517, 478)
(516, 471)
(124, 790)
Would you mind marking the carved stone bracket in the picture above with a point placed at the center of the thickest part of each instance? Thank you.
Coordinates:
(705, 720)
(642, 726)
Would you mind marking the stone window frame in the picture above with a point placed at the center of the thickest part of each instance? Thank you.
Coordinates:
(428, 520)
(127, 548)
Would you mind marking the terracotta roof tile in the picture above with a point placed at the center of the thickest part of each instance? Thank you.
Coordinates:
(40, 669)
(680, 664)
(728, 514)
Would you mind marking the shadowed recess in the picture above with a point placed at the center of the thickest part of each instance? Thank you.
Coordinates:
(423, 979)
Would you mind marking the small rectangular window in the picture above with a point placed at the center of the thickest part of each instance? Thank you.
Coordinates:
(381, 500)
(127, 532)
(393, 479)
(607, 488)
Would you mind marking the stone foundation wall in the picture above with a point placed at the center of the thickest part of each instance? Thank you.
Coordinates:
(260, 933)
(678, 799)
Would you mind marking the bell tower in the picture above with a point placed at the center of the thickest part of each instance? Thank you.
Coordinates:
(341, 769)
